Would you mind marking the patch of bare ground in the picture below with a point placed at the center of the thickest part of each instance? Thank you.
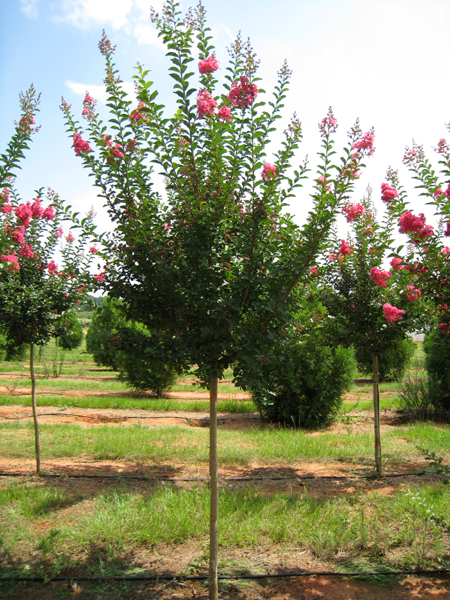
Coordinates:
(190, 559)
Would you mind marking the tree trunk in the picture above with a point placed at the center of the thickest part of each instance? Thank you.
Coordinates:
(35, 419)
(214, 505)
(376, 409)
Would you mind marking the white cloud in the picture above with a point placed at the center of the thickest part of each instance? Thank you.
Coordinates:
(98, 92)
(146, 34)
(386, 63)
(84, 13)
(30, 8)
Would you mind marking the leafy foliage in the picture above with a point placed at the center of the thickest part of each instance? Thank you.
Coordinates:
(303, 380)
(69, 331)
(393, 359)
(437, 361)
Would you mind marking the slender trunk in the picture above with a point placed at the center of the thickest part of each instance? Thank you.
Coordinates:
(214, 505)
(35, 419)
(376, 409)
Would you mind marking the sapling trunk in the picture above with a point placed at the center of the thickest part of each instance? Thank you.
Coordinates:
(376, 409)
(33, 404)
(214, 505)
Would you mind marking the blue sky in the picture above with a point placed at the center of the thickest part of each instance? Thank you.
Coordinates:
(384, 61)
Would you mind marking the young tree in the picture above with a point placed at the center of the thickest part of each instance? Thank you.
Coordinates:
(370, 307)
(34, 291)
(211, 267)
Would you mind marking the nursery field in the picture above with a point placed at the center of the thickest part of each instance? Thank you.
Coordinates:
(290, 499)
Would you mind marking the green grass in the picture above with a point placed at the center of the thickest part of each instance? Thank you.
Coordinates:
(129, 403)
(175, 444)
(370, 530)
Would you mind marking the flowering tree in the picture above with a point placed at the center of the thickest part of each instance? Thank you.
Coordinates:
(427, 257)
(35, 292)
(212, 266)
(370, 306)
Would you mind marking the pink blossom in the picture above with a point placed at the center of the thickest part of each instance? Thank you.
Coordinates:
(345, 249)
(7, 209)
(137, 115)
(438, 193)
(93, 249)
(205, 104)
(88, 106)
(23, 213)
(12, 260)
(444, 327)
(269, 172)
(413, 293)
(242, 93)
(314, 272)
(397, 264)
(323, 181)
(388, 193)
(26, 251)
(224, 113)
(353, 211)
(49, 213)
(18, 235)
(131, 146)
(36, 209)
(100, 277)
(380, 277)
(332, 256)
(59, 232)
(445, 251)
(442, 146)
(70, 238)
(366, 143)
(391, 313)
(208, 65)
(415, 225)
(80, 146)
(52, 267)
(166, 226)
(4, 196)
(106, 139)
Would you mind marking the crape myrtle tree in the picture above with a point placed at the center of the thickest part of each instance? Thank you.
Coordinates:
(369, 306)
(211, 267)
(427, 261)
(34, 291)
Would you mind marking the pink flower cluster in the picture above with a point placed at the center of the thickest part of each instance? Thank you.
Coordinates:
(323, 182)
(13, 261)
(80, 146)
(388, 193)
(330, 121)
(366, 143)
(59, 232)
(208, 65)
(242, 93)
(415, 225)
(344, 249)
(88, 106)
(100, 277)
(137, 115)
(314, 272)
(93, 250)
(18, 235)
(352, 211)
(397, 264)
(379, 276)
(70, 238)
(269, 172)
(392, 314)
(442, 146)
(444, 327)
(224, 113)
(26, 251)
(413, 293)
(4, 196)
(206, 104)
(52, 267)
